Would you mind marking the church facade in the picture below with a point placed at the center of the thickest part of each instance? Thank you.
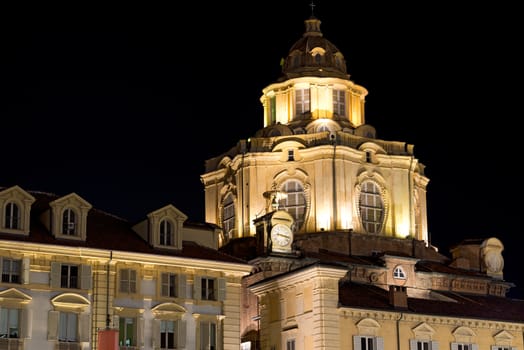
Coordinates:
(334, 222)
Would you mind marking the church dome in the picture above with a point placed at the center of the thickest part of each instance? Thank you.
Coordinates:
(314, 55)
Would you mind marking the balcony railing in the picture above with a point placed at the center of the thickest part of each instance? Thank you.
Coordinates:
(11, 344)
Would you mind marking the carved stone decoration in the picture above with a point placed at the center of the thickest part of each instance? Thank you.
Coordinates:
(491, 252)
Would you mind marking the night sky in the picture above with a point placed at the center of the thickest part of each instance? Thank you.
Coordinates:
(123, 105)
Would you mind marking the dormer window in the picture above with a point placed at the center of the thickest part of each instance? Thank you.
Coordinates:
(12, 216)
(69, 222)
(166, 233)
(15, 208)
(399, 273)
(67, 217)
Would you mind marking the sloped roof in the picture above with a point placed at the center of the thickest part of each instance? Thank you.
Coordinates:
(109, 232)
(489, 307)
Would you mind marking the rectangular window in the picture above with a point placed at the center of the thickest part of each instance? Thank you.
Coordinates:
(368, 343)
(273, 109)
(68, 327)
(302, 101)
(169, 285)
(127, 281)
(339, 102)
(208, 336)
(127, 332)
(69, 276)
(208, 289)
(9, 323)
(11, 270)
(167, 334)
(423, 345)
(290, 344)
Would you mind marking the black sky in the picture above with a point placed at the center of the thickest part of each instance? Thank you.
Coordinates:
(124, 105)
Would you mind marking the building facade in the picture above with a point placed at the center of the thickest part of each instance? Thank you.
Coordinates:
(70, 271)
(334, 222)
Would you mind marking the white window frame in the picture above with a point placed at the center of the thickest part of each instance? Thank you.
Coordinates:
(419, 344)
(294, 202)
(68, 327)
(10, 323)
(399, 273)
(464, 346)
(371, 207)
(339, 102)
(370, 342)
(11, 268)
(12, 216)
(302, 101)
(208, 335)
(166, 235)
(127, 282)
(228, 216)
(69, 222)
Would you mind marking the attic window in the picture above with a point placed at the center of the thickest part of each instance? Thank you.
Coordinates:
(12, 216)
(399, 273)
(69, 222)
(166, 233)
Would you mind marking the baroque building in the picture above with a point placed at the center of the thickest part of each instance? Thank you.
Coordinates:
(334, 222)
(316, 237)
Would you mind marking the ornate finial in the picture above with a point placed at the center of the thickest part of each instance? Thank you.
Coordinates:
(312, 5)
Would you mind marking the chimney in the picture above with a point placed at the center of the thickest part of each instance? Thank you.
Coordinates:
(398, 297)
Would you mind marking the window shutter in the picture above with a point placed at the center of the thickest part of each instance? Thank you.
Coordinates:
(380, 343)
(85, 276)
(83, 327)
(26, 268)
(156, 334)
(54, 277)
(181, 336)
(197, 288)
(454, 346)
(26, 323)
(221, 293)
(116, 322)
(475, 346)
(356, 342)
(434, 345)
(181, 286)
(52, 325)
(140, 332)
(413, 344)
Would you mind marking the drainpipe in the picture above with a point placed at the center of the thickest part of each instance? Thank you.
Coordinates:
(335, 218)
(398, 330)
(108, 318)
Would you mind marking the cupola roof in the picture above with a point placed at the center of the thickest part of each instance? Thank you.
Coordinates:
(313, 55)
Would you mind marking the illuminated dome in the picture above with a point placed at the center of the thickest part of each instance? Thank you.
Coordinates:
(314, 55)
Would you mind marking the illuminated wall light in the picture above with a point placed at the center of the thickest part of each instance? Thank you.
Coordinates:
(346, 220)
(323, 221)
(403, 229)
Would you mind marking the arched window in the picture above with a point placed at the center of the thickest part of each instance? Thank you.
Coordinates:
(69, 222)
(399, 273)
(228, 216)
(294, 202)
(12, 216)
(371, 207)
(166, 233)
